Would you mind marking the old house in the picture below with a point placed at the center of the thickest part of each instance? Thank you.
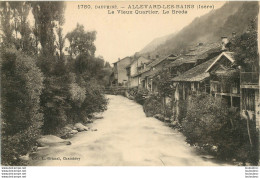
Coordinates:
(146, 75)
(193, 81)
(119, 74)
(196, 55)
(190, 75)
(249, 90)
(224, 79)
(133, 70)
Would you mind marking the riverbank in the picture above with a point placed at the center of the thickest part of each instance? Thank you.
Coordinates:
(210, 133)
(125, 137)
(62, 138)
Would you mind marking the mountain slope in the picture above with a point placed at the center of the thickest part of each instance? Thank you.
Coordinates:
(231, 17)
(155, 43)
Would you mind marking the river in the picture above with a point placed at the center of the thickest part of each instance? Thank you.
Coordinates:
(125, 137)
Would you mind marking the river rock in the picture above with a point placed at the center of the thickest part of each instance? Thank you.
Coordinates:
(89, 121)
(74, 132)
(24, 157)
(166, 119)
(64, 132)
(51, 140)
(174, 124)
(80, 127)
(98, 115)
(131, 97)
(159, 116)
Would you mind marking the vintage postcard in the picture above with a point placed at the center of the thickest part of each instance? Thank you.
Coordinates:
(129, 83)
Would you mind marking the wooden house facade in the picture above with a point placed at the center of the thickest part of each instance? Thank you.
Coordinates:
(250, 96)
(224, 79)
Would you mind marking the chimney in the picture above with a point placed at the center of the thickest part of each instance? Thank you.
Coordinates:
(157, 56)
(224, 41)
(118, 59)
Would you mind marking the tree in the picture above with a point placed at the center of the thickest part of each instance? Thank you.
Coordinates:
(46, 15)
(60, 43)
(7, 26)
(164, 83)
(165, 88)
(54, 99)
(21, 11)
(246, 49)
(16, 30)
(22, 84)
(81, 42)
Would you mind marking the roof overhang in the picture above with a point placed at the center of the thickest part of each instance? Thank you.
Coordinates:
(219, 57)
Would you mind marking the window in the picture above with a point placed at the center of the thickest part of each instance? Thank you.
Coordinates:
(234, 89)
(248, 99)
(214, 86)
(193, 87)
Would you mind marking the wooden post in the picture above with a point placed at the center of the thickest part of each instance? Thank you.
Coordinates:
(183, 91)
(257, 108)
(258, 92)
(151, 85)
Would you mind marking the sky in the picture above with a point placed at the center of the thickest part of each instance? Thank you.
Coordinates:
(121, 35)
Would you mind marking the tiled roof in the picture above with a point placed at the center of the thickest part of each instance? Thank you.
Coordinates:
(201, 49)
(134, 59)
(198, 52)
(121, 60)
(156, 62)
(197, 73)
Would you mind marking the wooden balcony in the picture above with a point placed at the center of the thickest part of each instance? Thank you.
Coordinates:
(249, 80)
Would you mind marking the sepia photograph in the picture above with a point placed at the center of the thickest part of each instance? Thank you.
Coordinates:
(129, 83)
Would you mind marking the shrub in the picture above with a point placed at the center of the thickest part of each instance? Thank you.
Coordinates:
(22, 84)
(205, 114)
(78, 94)
(140, 96)
(210, 123)
(85, 99)
(55, 103)
(153, 106)
(95, 99)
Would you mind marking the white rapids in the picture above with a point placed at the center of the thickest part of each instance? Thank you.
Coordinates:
(125, 137)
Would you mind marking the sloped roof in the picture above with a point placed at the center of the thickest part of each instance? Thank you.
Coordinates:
(182, 60)
(201, 49)
(228, 55)
(158, 61)
(134, 59)
(150, 73)
(197, 73)
(169, 57)
(198, 52)
(122, 59)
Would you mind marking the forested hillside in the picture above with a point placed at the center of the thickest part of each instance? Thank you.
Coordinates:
(231, 17)
(156, 42)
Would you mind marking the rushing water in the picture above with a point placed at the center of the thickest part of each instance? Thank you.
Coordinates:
(125, 137)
